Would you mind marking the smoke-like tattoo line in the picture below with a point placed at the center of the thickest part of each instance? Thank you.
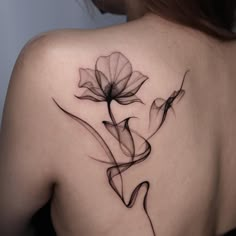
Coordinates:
(114, 80)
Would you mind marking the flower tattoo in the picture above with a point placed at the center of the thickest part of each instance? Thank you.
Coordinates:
(113, 79)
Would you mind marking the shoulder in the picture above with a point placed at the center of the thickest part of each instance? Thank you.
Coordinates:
(48, 43)
(45, 56)
(65, 38)
(29, 147)
(44, 69)
(69, 47)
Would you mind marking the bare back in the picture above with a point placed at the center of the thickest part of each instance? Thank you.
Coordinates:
(145, 131)
(153, 153)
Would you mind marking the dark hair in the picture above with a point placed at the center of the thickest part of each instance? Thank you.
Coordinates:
(214, 17)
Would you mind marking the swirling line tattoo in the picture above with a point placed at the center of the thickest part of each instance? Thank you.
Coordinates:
(113, 79)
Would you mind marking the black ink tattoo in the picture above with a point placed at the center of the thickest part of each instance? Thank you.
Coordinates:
(113, 79)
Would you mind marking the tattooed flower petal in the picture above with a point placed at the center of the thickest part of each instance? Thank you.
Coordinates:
(89, 95)
(120, 86)
(102, 81)
(135, 82)
(88, 79)
(115, 66)
(128, 100)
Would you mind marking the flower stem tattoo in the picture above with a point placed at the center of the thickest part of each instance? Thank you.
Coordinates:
(113, 79)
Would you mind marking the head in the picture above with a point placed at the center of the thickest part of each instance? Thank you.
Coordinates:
(215, 17)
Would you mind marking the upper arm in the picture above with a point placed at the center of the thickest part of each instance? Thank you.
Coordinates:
(27, 149)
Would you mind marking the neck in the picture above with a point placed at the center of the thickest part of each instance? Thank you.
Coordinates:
(135, 11)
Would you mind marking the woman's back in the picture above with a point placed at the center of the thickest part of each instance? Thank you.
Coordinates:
(140, 130)
(190, 167)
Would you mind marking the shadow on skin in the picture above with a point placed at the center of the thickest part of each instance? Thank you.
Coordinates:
(42, 222)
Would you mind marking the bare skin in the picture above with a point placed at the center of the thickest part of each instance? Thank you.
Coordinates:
(46, 154)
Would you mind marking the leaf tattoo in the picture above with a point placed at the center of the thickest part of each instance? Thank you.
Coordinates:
(113, 79)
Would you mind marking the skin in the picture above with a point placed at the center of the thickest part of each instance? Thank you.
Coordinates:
(44, 154)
